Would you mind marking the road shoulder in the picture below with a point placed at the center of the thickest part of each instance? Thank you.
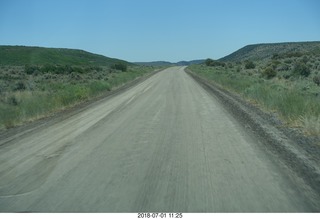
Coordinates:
(31, 127)
(298, 153)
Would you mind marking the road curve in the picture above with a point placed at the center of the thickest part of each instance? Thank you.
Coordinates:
(165, 145)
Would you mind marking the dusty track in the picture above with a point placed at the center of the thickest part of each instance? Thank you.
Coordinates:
(164, 145)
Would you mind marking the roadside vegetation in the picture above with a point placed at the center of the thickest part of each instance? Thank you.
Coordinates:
(31, 92)
(285, 83)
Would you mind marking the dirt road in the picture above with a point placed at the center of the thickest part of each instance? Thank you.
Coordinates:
(165, 145)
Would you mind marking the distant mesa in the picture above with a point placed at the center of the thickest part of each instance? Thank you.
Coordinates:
(164, 63)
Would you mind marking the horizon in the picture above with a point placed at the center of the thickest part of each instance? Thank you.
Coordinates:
(164, 60)
(144, 31)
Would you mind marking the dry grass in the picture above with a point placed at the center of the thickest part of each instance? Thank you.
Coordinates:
(26, 98)
(295, 101)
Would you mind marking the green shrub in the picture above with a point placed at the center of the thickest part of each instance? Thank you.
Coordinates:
(292, 54)
(305, 59)
(8, 116)
(275, 56)
(60, 69)
(283, 67)
(31, 69)
(301, 69)
(288, 61)
(77, 69)
(316, 79)
(120, 66)
(93, 68)
(48, 68)
(275, 63)
(12, 100)
(286, 76)
(97, 87)
(249, 65)
(269, 73)
(20, 86)
(211, 62)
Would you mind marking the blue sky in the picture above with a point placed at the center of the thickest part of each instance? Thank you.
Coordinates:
(148, 30)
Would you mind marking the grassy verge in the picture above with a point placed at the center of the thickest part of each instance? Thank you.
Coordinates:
(295, 101)
(27, 97)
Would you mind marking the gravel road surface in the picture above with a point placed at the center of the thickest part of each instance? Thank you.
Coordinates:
(164, 145)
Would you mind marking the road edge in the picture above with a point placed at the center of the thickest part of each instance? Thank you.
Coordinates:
(11, 134)
(298, 153)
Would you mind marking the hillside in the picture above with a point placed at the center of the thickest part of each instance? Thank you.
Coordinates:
(261, 51)
(23, 55)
